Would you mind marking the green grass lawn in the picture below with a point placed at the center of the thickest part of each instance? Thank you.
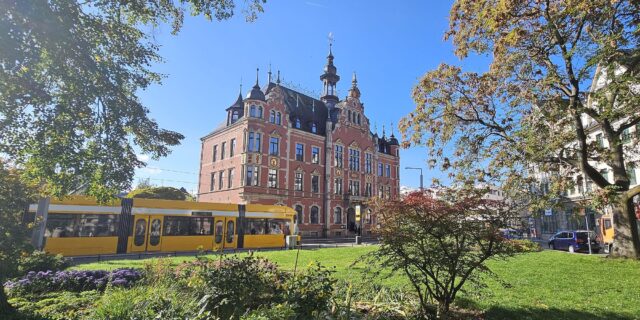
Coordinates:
(545, 285)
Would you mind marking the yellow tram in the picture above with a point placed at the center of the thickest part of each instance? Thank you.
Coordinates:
(80, 226)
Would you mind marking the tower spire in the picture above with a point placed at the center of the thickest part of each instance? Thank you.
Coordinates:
(257, 77)
(354, 92)
(278, 80)
(269, 73)
(329, 78)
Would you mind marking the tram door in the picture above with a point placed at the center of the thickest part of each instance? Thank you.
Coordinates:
(147, 233)
(224, 233)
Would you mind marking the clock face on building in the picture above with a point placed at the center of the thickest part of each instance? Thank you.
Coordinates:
(274, 162)
(338, 172)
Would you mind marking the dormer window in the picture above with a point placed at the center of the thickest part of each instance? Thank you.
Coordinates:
(235, 115)
(314, 128)
(297, 124)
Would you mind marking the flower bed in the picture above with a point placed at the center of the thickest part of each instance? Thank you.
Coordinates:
(76, 281)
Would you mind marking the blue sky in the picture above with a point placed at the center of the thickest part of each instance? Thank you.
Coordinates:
(390, 44)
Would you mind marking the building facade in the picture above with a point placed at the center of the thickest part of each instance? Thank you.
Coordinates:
(318, 156)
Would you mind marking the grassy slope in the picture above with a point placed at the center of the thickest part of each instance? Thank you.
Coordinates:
(546, 285)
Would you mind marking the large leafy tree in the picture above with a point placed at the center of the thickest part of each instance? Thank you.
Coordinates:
(70, 115)
(559, 69)
(70, 75)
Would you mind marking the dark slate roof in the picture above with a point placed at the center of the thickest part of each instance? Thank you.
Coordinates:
(308, 109)
(237, 104)
(256, 93)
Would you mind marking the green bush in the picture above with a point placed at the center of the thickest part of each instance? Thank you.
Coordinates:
(56, 305)
(232, 286)
(525, 246)
(41, 261)
(309, 293)
(276, 312)
(146, 302)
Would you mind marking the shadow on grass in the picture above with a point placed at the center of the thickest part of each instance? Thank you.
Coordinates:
(499, 313)
(539, 313)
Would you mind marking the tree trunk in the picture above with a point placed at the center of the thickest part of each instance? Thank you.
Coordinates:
(626, 241)
(5, 307)
(443, 310)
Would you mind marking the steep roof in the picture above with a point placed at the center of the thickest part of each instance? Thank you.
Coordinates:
(309, 110)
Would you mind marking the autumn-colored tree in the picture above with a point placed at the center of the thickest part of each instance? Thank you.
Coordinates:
(441, 244)
(559, 68)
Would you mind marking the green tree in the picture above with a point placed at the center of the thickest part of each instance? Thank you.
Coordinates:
(558, 69)
(70, 75)
(14, 197)
(165, 193)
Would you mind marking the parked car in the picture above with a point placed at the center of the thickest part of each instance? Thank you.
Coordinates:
(574, 241)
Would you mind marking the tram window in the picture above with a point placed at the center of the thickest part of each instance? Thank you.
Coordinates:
(219, 230)
(97, 225)
(201, 226)
(256, 226)
(176, 226)
(279, 226)
(61, 225)
(230, 231)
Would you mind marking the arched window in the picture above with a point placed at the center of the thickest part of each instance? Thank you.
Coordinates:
(349, 112)
(259, 112)
(299, 215)
(314, 128)
(314, 215)
(337, 215)
(278, 118)
(369, 217)
(234, 116)
(297, 123)
(253, 111)
(272, 116)
(358, 118)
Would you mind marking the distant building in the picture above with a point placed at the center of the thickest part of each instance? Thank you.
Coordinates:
(319, 156)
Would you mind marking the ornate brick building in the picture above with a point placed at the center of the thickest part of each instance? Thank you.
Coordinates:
(319, 156)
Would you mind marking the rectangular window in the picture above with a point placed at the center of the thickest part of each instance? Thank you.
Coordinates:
(600, 140)
(232, 147)
(252, 176)
(354, 188)
(188, 226)
(354, 160)
(273, 178)
(299, 152)
(631, 172)
(222, 149)
(230, 183)
(274, 144)
(368, 162)
(62, 225)
(315, 155)
(388, 169)
(380, 191)
(315, 184)
(297, 183)
(626, 135)
(368, 190)
(380, 169)
(388, 193)
(215, 153)
(254, 142)
(337, 186)
(221, 180)
(212, 183)
(338, 157)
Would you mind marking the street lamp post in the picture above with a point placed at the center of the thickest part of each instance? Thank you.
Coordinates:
(413, 168)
